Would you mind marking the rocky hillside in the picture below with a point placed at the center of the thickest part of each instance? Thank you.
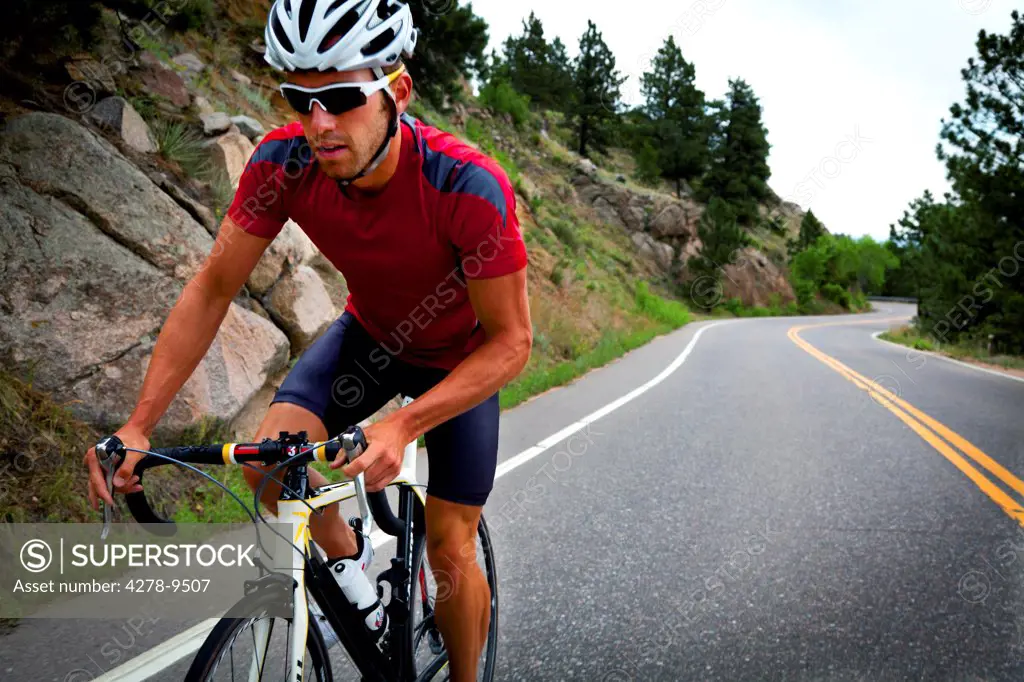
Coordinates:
(115, 171)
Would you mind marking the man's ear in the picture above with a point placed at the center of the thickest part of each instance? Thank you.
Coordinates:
(402, 90)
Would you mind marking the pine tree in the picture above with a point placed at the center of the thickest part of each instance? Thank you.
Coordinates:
(676, 106)
(596, 96)
(810, 229)
(721, 238)
(449, 46)
(985, 163)
(560, 74)
(739, 171)
(530, 65)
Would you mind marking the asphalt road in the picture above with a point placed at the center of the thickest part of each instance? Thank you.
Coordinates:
(756, 514)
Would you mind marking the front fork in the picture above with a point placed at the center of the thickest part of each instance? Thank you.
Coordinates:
(297, 514)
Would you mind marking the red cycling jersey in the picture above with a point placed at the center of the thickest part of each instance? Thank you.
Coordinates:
(447, 215)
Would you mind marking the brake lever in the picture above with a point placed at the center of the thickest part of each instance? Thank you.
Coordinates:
(354, 443)
(110, 453)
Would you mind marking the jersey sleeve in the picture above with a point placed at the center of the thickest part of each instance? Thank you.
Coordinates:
(485, 229)
(259, 206)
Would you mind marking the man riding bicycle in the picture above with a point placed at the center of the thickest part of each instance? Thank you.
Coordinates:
(424, 230)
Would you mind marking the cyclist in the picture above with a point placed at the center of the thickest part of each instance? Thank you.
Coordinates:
(424, 230)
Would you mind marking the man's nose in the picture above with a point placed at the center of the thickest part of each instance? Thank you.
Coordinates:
(321, 121)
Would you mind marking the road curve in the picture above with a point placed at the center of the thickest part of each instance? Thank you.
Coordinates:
(759, 510)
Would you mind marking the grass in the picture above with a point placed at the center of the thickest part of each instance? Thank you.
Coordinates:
(256, 98)
(912, 337)
(180, 145)
(658, 316)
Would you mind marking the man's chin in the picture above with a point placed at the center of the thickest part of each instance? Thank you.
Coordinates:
(337, 169)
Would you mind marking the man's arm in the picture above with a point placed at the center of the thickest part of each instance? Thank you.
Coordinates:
(193, 322)
(502, 306)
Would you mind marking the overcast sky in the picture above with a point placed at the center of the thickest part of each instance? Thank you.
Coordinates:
(827, 72)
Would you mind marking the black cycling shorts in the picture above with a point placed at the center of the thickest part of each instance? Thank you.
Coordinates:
(346, 376)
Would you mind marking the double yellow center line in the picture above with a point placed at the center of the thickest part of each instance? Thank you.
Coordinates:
(935, 433)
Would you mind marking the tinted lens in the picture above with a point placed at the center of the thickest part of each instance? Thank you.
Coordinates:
(339, 100)
(336, 100)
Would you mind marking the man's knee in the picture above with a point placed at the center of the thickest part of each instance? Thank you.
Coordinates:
(292, 418)
(451, 533)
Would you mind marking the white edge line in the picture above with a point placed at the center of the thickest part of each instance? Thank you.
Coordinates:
(940, 356)
(164, 655)
(181, 645)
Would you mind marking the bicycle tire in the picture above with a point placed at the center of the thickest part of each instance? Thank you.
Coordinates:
(208, 659)
(485, 673)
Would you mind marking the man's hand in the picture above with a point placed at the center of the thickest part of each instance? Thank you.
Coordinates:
(382, 460)
(124, 480)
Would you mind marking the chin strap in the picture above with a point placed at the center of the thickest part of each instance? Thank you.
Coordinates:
(385, 146)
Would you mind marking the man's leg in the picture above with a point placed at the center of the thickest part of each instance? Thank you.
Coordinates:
(463, 606)
(330, 530)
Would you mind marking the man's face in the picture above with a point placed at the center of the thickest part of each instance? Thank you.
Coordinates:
(343, 144)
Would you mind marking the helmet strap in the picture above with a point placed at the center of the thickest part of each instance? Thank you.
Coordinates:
(385, 145)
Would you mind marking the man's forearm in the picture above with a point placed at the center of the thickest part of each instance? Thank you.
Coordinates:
(478, 377)
(183, 341)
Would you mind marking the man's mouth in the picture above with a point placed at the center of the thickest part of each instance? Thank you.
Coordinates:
(331, 151)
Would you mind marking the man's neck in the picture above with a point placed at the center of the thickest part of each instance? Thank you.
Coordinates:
(376, 181)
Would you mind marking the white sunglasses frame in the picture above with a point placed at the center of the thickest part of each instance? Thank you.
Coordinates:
(366, 87)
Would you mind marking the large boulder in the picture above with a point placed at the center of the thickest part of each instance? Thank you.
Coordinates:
(60, 159)
(117, 115)
(299, 302)
(648, 247)
(752, 277)
(247, 350)
(88, 277)
(229, 153)
(290, 249)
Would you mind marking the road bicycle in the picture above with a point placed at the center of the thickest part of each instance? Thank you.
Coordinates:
(412, 650)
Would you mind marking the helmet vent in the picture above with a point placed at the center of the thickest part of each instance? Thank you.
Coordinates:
(280, 34)
(306, 8)
(381, 41)
(343, 26)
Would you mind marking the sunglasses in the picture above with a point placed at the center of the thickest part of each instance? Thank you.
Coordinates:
(336, 98)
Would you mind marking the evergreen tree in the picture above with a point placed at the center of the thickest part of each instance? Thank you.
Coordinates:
(676, 106)
(739, 170)
(560, 73)
(810, 229)
(721, 237)
(596, 96)
(534, 67)
(985, 163)
(449, 46)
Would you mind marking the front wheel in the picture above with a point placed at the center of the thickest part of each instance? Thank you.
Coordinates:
(429, 658)
(254, 648)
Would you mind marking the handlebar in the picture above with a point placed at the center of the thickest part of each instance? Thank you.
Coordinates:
(267, 452)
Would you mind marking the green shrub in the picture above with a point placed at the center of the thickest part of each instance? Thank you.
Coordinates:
(255, 97)
(474, 130)
(194, 14)
(665, 311)
(837, 294)
(181, 145)
(499, 96)
(647, 169)
(563, 229)
(805, 291)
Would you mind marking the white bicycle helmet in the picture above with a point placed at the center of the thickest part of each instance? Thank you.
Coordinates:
(344, 35)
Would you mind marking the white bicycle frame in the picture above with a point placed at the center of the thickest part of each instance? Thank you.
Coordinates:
(296, 513)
